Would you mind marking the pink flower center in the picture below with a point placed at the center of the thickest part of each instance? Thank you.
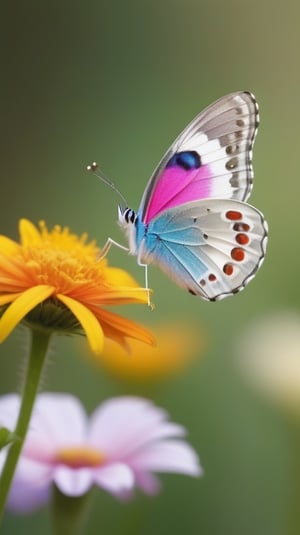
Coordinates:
(79, 457)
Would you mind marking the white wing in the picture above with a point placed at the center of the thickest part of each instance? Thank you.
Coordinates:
(212, 247)
(222, 135)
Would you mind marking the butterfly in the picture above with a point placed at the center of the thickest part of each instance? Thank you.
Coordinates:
(193, 221)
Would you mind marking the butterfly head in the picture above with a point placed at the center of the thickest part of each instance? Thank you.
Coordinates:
(127, 219)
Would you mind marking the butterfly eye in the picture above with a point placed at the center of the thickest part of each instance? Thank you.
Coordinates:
(129, 215)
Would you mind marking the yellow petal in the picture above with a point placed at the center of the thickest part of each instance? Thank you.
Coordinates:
(88, 321)
(119, 277)
(21, 306)
(123, 326)
(8, 247)
(8, 285)
(8, 298)
(13, 268)
(123, 296)
(29, 234)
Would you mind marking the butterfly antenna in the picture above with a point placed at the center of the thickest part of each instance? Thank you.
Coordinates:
(94, 168)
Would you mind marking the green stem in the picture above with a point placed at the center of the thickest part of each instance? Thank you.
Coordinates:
(38, 350)
(69, 514)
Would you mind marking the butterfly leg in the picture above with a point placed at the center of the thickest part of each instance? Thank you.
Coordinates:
(106, 247)
(145, 266)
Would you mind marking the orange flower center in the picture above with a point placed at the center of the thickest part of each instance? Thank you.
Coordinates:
(80, 457)
(60, 269)
(62, 260)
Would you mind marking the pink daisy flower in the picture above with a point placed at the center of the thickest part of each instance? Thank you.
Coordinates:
(119, 447)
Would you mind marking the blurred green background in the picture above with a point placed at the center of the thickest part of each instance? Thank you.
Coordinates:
(115, 82)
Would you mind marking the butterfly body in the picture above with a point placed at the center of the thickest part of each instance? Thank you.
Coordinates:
(193, 221)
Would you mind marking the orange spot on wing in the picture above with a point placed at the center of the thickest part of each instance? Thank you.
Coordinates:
(241, 227)
(233, 215)
(238, 254)
(242, 239)
(228, 269)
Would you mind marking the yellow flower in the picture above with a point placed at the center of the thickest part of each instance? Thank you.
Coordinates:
(54, 280)
(177, 344)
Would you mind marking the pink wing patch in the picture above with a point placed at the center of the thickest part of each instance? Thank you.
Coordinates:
(177, 186)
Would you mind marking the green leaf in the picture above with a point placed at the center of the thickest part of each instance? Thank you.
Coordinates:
(6, 437)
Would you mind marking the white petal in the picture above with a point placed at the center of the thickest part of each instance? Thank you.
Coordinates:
(123, 424)
(148, 482)
(9, 410)
(30, 487)
(159, 431)
(73, 482)
(32, 472)
(116, 478)
(58, 420)
(168, 456)
(25, 498)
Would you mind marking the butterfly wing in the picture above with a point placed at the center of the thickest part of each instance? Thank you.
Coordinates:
(211, 158)
(211, 247)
